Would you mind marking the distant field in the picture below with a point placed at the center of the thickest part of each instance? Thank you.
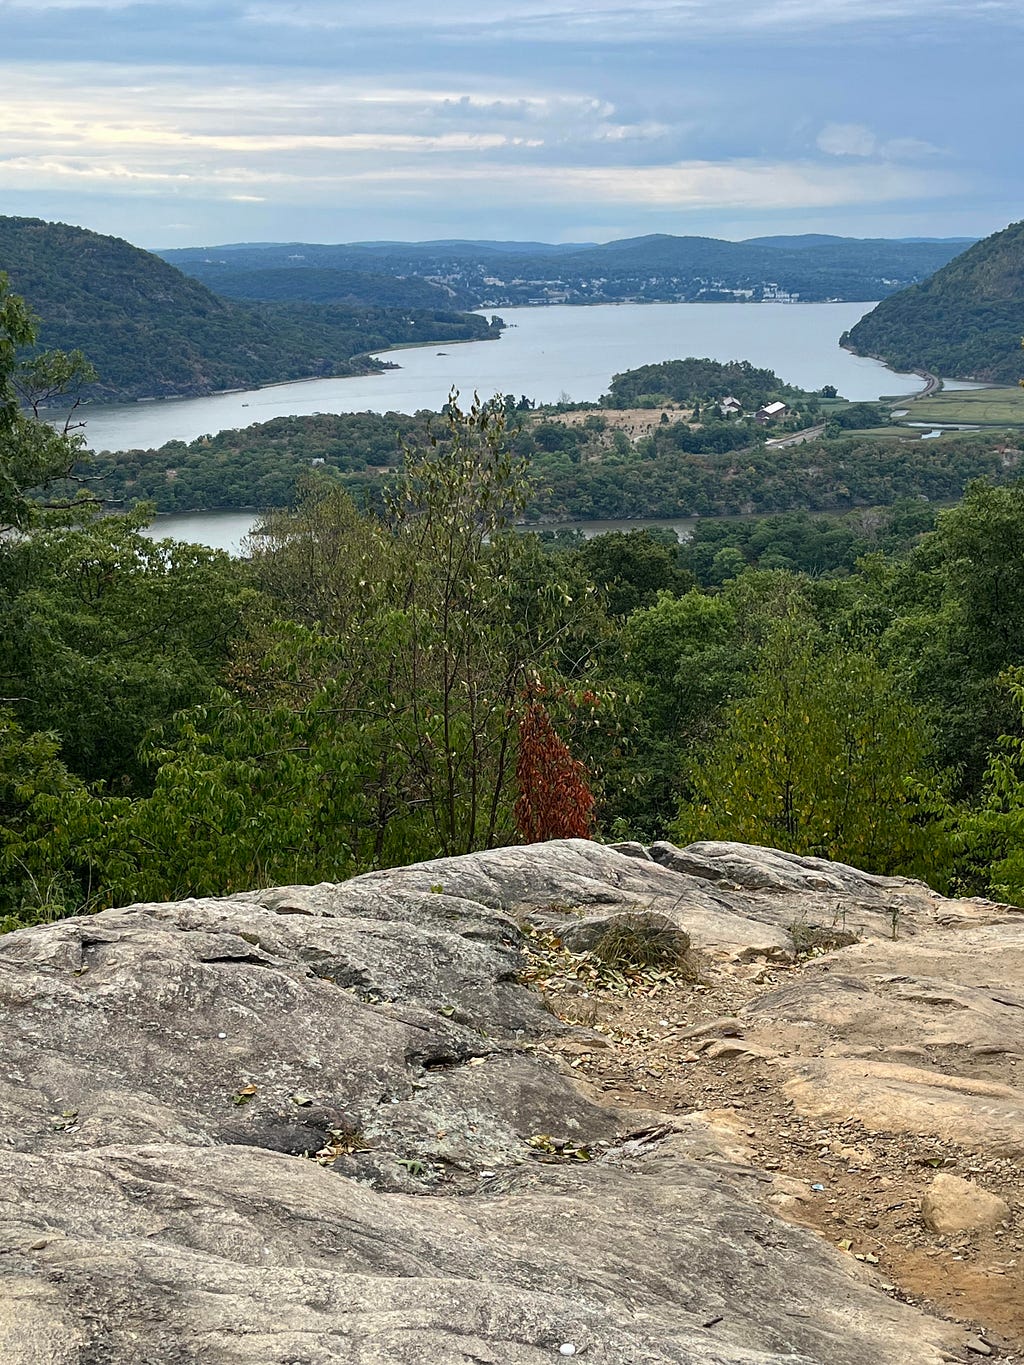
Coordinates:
(981, 407)
(895, 433)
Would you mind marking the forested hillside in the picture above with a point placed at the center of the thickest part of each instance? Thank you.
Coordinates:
(965, 322)
(699, 380)
(150, 331)
(657, 267)
(365, 288)
(582, 470)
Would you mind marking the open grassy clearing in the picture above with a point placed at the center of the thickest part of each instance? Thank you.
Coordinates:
(894, 433)
(983, 407)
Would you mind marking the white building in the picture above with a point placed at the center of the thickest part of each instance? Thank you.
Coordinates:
(773, 412)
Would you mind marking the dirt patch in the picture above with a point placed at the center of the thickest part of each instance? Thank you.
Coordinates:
(679, 1047)
(635, 422)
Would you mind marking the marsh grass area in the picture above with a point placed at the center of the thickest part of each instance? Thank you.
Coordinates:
(995, 407)
(894, 433)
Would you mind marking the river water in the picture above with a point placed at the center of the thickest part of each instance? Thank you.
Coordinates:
(227, 530)
(547, 354)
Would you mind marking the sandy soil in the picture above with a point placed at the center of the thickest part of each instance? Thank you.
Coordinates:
(860, 1189)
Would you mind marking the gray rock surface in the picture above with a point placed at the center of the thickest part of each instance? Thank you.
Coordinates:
(735, 902)
(168, 1074)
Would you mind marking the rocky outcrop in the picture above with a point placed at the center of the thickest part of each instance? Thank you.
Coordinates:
(327, 1124)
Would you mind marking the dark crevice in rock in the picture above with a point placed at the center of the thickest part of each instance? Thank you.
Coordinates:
(242, 959)
(445, 1061)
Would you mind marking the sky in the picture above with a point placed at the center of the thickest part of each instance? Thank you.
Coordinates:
(200, 122)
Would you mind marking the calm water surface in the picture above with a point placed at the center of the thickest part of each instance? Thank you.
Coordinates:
(547, 354)
(227, 530)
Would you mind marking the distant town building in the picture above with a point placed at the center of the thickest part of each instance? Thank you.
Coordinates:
(730, 407)
(772, 412)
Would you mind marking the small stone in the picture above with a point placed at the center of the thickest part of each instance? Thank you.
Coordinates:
(951, 1205)
(977, 1346)
(857, 1156)
(567, 1348)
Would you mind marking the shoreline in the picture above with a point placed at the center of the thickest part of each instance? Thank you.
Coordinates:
(370, 373)
(522, 364)
(384, 367)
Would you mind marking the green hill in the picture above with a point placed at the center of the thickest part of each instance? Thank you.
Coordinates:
(966, 321)
(653, 268)
(323, 285)
(151, 331)
(696, 380)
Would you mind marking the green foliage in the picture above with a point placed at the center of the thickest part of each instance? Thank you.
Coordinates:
(152, 331)
(803, 543)
(633, 567)
(442, 618)
(656, 479)
(108, 633)
(823, 757)
(990, 837)
(858, 416)
(956, 609)
(32, 454)
(314, 284)
(37, 835)
(176, 723)
(675, 664)
(693, 380)
(963, 321)
(244, 797)
(262, 466)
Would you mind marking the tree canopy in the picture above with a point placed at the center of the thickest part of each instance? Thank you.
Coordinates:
(405, 675)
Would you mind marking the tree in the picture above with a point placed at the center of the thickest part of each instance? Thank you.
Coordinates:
(32, 453)
(108, 633)
(990, 835)
(632, 567)
(440, 614)
(958, 622)
(38, 833)
(824, 757)
(555, 800)
(467, 637)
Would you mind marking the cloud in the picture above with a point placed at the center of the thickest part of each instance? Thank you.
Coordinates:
(650, 131)
(856, 139)
(701, 184)
(162, 121)
(616, 111)
(768, 186)
(611, 20)
(909, 149)
(847, 139)
(250, 137)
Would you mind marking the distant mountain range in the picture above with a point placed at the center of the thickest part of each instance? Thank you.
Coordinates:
(658, 268)
(966, 321)
(248, 314)
(152, 331)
